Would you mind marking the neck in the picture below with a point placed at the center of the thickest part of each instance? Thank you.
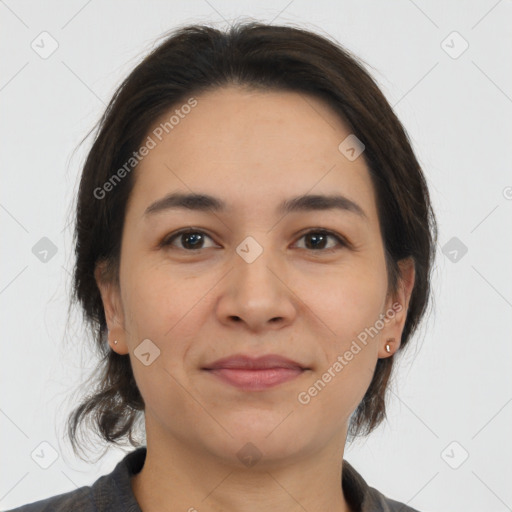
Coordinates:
(180, 476)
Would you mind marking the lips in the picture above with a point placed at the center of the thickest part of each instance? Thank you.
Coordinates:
(243, 362)
(255, 374)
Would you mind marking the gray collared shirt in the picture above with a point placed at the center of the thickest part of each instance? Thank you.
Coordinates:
(113, 492)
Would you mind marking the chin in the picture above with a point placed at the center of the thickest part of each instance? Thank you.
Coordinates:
(269, 435)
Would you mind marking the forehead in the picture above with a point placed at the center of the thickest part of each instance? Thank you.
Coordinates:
(251, 147)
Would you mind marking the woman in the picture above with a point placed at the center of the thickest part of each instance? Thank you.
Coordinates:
(254, 240)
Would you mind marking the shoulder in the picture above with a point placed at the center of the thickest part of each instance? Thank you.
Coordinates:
(79, 499)
(375, 500)
(109, 493)
(364, 498)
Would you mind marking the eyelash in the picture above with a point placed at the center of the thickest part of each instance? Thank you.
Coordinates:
(342, 242)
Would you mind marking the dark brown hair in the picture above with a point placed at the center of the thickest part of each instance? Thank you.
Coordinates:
(196, 58)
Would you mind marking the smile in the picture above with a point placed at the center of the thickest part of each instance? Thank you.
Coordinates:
(256, 380)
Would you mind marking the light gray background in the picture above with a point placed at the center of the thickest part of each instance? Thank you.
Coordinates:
(454, 385)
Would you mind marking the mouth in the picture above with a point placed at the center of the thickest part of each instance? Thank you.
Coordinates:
(255, 374)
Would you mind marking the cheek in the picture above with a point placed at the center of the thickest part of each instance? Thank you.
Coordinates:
(153, 295)
(165, 308)
(347, 304)
(346, 301)
(332, 396)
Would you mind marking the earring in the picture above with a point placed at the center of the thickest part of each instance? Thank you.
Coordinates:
(388, 348)
(115, 342)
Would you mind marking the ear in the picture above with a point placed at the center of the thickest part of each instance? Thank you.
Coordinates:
(396, 309)
(112, 306)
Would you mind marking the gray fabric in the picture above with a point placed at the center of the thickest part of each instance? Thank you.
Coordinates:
(113, 492)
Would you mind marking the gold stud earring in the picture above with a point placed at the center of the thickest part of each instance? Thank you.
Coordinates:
(115, 342)
(388, 347)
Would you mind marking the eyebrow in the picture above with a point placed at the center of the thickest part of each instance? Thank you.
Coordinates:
(205, 203)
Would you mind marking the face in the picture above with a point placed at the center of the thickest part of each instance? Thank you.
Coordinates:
(253, 279)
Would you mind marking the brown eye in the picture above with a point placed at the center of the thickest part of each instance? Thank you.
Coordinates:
(316, 240)
(189, 240)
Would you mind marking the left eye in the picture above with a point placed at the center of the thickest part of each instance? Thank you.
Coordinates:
(191, 240)
(318, 238)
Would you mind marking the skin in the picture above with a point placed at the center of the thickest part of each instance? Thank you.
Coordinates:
(253, 150)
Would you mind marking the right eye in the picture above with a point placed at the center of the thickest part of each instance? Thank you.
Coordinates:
(189, 239)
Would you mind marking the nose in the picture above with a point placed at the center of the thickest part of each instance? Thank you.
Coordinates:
(257, 294)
